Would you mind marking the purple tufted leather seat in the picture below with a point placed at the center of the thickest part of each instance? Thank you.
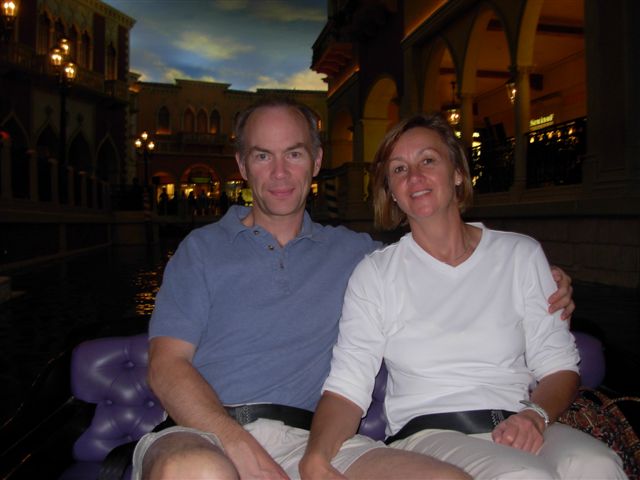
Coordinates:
(111, 372)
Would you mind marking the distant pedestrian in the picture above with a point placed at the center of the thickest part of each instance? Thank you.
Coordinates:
(224, 202)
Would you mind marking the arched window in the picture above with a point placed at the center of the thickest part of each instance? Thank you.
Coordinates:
(164, 121)
(74, 43)
(235, 121)
(61, 32)
(86, 50)
(214, 122)
(188, 123)
(201, 122)
(112, 72)
(44, 37)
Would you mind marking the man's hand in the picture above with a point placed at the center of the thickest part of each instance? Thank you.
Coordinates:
(523, 431)
(251, 460)
(562, 298)
(314, 467)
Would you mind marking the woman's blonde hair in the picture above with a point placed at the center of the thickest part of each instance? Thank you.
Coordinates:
(387, 214)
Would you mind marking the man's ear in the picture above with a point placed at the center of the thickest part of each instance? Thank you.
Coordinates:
(241, 166)
(317, 162)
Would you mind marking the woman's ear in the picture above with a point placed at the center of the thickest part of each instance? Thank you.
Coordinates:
(457, 178)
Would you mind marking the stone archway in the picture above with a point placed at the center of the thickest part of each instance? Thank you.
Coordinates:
(46, 149)
(341, 139)
(381, 111)
(20, 167)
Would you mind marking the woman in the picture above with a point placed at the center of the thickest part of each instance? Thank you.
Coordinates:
(458, 313)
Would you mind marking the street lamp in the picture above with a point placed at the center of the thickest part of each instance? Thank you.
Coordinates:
(452, 110)
(66, 72)
(144, 146)
(9, 14)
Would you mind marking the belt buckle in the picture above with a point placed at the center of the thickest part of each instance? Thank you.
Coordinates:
(243, 414)
(497, 417)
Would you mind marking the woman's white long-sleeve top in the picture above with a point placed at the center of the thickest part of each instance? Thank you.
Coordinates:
(474, 336)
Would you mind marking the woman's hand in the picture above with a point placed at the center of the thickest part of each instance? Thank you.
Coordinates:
(523, 430)
(562, 298)
(314, 467)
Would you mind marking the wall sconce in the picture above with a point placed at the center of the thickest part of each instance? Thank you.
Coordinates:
(512, 91)
(536, 82)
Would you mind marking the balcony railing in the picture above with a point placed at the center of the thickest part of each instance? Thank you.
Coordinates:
(554, 154)
(554, 157)
(492, 166)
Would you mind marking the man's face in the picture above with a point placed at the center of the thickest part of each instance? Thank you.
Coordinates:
(277, 161)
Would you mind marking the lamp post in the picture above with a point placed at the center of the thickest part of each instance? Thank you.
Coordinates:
(9, 14)
(452, 110)
(66, 72)
(144, 146)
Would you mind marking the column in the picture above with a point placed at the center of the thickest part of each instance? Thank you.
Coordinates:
(33, 176)
(71, 186)
(55, 193)
(522, 109)
(466, 118)
(5, 167)
(83, 188)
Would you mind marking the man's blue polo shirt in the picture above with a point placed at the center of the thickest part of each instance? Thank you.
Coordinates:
(263, 318)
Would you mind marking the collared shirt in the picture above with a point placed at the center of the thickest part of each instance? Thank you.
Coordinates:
(263, 318)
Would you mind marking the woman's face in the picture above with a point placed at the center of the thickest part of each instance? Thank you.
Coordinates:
(421, 176)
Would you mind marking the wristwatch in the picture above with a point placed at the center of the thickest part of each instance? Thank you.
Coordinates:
(529, 405)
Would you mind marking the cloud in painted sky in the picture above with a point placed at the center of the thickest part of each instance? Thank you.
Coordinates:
(282, 12)
(246, 43)
(274, 10)
(304, 80)
(211, 48)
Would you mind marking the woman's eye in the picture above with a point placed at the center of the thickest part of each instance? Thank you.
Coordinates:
(398, 169)
(427, 160)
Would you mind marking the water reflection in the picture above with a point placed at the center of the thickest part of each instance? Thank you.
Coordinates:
(110, 292)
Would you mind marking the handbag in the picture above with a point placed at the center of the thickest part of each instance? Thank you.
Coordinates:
(593, 412)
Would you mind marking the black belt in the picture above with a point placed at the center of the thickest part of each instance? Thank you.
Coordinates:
(292, 416)
(472, 421)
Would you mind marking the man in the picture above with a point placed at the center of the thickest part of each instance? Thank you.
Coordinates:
(246, 319)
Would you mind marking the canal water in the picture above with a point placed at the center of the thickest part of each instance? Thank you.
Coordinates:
(107, 292)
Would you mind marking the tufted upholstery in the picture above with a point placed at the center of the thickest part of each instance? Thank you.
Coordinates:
(111, 372)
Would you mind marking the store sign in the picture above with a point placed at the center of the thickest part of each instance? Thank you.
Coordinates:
(541, 122)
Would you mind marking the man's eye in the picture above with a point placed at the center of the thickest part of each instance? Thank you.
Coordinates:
(295, 155)
(261, 156)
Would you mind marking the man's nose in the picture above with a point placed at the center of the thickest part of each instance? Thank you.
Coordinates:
(280, 168)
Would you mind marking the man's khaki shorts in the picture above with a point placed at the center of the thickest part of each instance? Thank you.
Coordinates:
(285, 444)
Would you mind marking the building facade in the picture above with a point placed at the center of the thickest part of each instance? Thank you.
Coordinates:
(64, 127)
(191, 123)
(71, 176)
(541, 92)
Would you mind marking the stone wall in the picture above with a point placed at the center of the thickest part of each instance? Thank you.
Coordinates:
(602, 250)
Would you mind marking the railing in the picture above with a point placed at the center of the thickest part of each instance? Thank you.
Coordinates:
(492, 167)
(554, 154)
(554, 157)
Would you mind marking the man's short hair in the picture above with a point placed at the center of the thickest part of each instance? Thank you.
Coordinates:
(278, 101)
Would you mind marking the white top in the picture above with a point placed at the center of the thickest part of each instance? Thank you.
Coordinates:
(474, 336)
